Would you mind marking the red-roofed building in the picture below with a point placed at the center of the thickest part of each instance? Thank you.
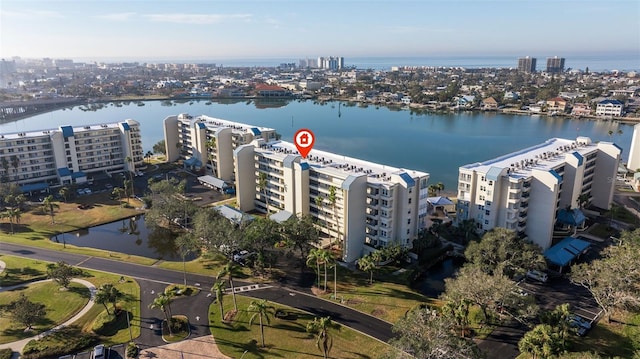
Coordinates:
(265, 90)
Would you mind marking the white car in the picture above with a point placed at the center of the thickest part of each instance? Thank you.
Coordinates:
(537, 275)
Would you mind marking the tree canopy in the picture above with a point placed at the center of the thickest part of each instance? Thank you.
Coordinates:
(501, 251)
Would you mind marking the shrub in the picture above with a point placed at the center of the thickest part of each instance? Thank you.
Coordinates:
(63, 341)
(109, 324)
(5, 353)
(132, 350)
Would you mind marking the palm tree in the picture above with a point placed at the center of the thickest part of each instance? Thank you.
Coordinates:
(440, 187)
(318, 201)
(211, 146)
(50, 205)
(320, 327)
(129, 160)
(117, 191)
(432, 189)
(15, 162)
(218, 290)
(262, 184)
(227, 270)
(367, 264)
(12, 213)
(332, 200)
(261, 310)
(583, 199)
(186, 244)
(314, 259)
(163, 302)
(64, 193)
(326, 258)
(108, 293)
(148, 155)
(128, 186)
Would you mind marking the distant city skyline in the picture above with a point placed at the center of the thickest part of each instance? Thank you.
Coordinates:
(212, 30)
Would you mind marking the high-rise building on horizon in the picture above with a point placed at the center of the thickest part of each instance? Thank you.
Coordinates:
(555, 65)
(527, 64)
(331, 63)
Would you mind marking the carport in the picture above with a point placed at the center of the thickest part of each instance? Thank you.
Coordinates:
(34, 187)
(563, 253)
(213, 182)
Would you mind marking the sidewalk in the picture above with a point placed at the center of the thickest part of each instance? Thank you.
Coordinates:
(17, 346)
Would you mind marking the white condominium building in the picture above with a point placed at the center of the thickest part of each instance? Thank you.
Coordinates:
(68, 154)
(209, 142)
(355, 201)
(523, 191)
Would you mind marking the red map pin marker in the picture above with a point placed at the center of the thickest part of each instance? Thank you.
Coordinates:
(304, 140)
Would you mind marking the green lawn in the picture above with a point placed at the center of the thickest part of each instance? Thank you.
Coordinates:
(284, 338)
(35, 227)
(388, 298)
(23, 269)
(60, 306)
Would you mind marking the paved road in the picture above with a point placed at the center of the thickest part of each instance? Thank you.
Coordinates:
(154, 279)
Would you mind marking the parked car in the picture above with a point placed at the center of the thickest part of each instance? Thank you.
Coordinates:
(580, 324)
(537, 275)
(98, 352)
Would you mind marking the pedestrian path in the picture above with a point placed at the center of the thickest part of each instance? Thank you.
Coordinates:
(17, 346)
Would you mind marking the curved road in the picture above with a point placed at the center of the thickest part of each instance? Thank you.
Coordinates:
(152, 279)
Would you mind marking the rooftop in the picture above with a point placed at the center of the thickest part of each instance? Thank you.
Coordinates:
(343, 166)
(218, 122)
(544, 156)
(47, 132)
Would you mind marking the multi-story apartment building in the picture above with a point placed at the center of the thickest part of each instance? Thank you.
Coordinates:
(209, 142)
(523, 191)
(357, 202)
(634, 150)
(612, 108)
(331, 63)
(555, 65)
(527, 64)
(69, 154)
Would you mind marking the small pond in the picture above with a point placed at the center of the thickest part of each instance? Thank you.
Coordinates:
(431, 282)
(128, 236)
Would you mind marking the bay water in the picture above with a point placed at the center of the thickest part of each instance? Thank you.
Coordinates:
(434, 143)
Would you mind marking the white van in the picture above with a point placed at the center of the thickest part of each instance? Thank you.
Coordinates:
(98, 352)
(537, 275)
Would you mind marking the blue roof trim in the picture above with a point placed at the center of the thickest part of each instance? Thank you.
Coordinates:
(78, 174)
(494, 173)
(304, 166)
(407, 179)
(579, 157)
(256, 131)
(34, 187)
(613, 102)
(556, 175)
(126, 126)
(618, 147)
(64, 172)
(67, 131)
(201, 126)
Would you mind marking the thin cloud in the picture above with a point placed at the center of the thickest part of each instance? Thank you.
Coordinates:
(197, 19)
(123, 16)
(416, 29)
(32, 14)
(273, 22)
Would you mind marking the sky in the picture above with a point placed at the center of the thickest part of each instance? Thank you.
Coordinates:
(235, 29)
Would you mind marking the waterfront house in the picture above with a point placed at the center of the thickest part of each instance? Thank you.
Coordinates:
(581, 109)
(556, 105)
(489, 104)
(264, 90)
(610, 108)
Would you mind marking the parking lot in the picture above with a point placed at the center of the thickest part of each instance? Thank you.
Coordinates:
(114, 352)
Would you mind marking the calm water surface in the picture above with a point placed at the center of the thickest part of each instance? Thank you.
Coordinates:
(434, 143)
(129, 236)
